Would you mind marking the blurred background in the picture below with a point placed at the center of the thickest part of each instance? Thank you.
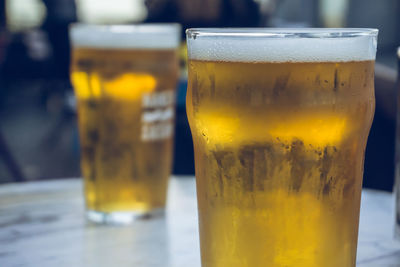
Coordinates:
(38, 131)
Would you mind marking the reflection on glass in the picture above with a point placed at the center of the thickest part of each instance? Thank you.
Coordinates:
(397, 172)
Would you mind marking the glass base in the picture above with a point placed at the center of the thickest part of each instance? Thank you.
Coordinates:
(121, 217)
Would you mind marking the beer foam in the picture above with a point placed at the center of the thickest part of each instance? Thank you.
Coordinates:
(282, 45)
(141, 36)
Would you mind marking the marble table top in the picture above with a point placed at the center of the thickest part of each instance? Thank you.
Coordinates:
(43, 224)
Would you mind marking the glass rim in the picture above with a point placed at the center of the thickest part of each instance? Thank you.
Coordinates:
(128, 28)
(281, 32)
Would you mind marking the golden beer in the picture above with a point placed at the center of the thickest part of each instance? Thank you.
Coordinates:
(279, 149)
(126, 109)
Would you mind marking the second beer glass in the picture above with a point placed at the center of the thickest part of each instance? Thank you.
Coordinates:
(397, 169)
(280, 120)
(124, 79)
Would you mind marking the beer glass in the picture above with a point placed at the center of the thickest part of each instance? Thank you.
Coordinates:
(280, 120)
(397, 173)
(124, 79)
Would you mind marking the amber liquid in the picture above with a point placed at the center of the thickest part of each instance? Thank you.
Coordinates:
(126, 115)
(279, 151)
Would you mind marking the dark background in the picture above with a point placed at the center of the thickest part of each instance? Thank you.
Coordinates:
(38, 132)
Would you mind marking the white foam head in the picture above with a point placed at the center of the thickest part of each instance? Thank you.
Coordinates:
(142, 36)
(282, 45)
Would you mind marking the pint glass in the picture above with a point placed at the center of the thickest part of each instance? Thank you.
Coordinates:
(397, 172)
(280, 120)
(124, 79)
